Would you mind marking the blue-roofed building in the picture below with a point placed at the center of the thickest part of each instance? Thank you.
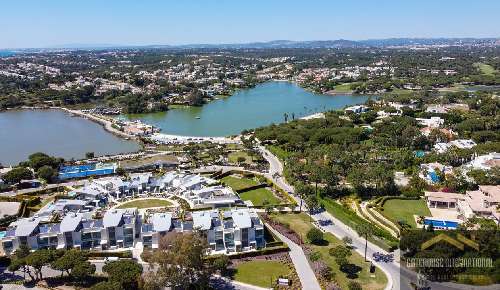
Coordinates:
(87, 170)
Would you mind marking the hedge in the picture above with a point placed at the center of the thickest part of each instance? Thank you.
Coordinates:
(262, 185)
(274, 244)
(261, 252)
(124, 254)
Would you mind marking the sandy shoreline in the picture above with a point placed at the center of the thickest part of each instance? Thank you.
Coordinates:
(177, 139)
(108, 125)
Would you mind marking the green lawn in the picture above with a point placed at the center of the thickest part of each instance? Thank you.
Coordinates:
(146, 203)
(399, 209)
(258, 196)
(300, 224)
(343, 88)
(401, 92)
(261, 273)
(233, 157)
(238, 183)
(485, 69)
(454, 88)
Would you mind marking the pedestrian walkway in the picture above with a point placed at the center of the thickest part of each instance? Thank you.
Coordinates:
(299, 259)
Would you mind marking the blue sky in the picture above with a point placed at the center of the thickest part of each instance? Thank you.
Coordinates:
(35, 23)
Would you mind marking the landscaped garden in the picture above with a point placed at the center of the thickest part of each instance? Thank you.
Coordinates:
(145, 203)
(237, 183)
(300, 223)
(382, 237)
(260, 196)
(404, 209)
(262, 273)
(238, 157)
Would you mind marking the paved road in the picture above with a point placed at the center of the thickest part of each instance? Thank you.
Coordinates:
(302, 266)
(341, 230)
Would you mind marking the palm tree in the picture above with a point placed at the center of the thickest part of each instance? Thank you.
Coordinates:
(285, 116)
(366, 231)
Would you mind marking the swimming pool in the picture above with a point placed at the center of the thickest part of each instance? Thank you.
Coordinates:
(441, 224)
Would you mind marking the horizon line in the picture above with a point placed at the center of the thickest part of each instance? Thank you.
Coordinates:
(103, 45)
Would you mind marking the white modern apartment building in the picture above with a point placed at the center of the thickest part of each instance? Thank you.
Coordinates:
(236, 230)
(117, 229)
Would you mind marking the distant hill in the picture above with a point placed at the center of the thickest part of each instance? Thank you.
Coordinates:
(339, 43)
(272, 44)
(426, 41)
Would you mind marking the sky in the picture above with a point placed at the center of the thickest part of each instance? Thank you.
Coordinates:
(52, 23)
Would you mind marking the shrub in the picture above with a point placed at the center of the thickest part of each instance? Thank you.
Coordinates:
(107, 286)
(220, 263)
(315, 236)
(125, 254)
(315, 256)
(326, 272)
(353, 285)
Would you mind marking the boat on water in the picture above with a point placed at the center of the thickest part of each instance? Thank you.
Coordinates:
(197, 117)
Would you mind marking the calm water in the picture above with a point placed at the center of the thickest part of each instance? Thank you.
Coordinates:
(6, 53)
(56, 133)
(259, 106)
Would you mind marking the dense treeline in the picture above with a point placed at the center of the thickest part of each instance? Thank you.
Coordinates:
(355, 153)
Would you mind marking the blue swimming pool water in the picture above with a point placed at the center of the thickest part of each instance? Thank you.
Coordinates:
(443, 224)
(77, 168)
(434, 177)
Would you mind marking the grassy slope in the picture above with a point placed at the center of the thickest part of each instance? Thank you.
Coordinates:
(300, 224)
(352, 220)
(397, 209)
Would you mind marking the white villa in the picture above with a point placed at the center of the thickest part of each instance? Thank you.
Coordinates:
(483, 202)
(433, 122)
(460, 143)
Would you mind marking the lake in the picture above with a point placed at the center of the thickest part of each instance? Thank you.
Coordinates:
(249, 108)
(23, 132)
